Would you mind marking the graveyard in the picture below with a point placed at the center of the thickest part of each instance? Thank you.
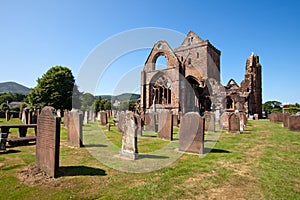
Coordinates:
(262, 163)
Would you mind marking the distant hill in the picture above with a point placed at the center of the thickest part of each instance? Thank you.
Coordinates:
(13, 87)
(121, 97)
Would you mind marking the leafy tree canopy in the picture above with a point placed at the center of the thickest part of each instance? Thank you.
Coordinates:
(54, 88)
(272, 106)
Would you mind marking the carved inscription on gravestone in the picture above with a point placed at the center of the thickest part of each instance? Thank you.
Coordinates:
(191, 136)
(129, 137)
(165, 125)
(47, 141)
(75, 129)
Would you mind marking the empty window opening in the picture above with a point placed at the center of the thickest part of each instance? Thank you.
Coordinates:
(190, 61)
(197, 54)
(161, 63)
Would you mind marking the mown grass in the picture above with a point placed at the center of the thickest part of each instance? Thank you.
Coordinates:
(262, 163)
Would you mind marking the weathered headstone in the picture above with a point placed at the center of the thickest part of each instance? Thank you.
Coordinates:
(294, 123)
(93, 116)
(285, 119)
(224, 121)
(209, 118)
(75, 129)
(58, 112)
(165, 125)
(98, 116)
(129, 138)
(243, 120)
(90, 115)
(108, 126)
(85, 117)
(175, 120)
(121, 121)
(140, 125)
(234, 123)
(276, 117)
(103, 118)
(3, 138)
(152, 123)
(255, 116)
(66, 118)
(191, 136)
(47, 141)
(7, 115)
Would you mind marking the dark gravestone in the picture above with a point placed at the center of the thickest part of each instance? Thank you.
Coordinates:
(175, 120)
(285, 119)
(276, 117)
(103, 116)
(75, 122)
(7, 115)
(191, 136)
(3, 138)
(129, 137)
(234, 123)
(224, 121)
(209, 118)
(47, 141)
(152, 123)
(294, 123)
(121, 122)
(165, 125)
(147, 119)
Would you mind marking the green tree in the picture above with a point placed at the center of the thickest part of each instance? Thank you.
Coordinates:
(272, 106)
(87, 101)
(54, 88)
(97, 104)
(4, 107)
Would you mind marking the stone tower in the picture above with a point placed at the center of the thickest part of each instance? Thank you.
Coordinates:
(252, 85)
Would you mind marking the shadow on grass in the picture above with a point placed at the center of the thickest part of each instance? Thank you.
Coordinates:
(209, 150)
(80, 171)
(143, 156)
(10, 151)
(94, 145)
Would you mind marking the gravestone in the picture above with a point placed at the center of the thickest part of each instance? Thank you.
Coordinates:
(121, 121)
(103, 118)
(165, 125)
(285, 119)
(3, 138)
(243, 120)
(90, 115)
(191, 136)
(129, 137)
(276, 117)
(234, 123)
(224, 121)
(75, 128)
(98, 116)
(58, 112)
(47, 141)
(152, 122)
(175, 120)
(93, 116)
(209, 118)
(108, 126)
(140, 125)
(294, 123)
(66, 118)
(85, 117)
(147, 119)
(255, 116)
(7, 115)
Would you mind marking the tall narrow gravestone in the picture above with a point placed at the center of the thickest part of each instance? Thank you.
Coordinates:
(47, 141)
(129, 137)
(75, 129)
(165, 125)
(209, 121)
(103, 116)
(191, 136)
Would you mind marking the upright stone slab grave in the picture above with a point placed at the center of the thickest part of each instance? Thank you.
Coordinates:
(175, 120)
(243, 120)
(234, 123)
(3, 138)
(129, 138)
(108, 126)
(224, 121)
(85, 117)
(103, 118)
(191, 136)
(165, 125)
(66, 118)
(209, 122)
(139, 125)
(7, 115)
(294, 123)
(285, 119)
(152, 124)
(47, 141)
(121, 122)
(276, 117)
(75, 129)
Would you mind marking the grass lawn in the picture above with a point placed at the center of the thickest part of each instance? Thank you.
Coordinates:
(261, 163)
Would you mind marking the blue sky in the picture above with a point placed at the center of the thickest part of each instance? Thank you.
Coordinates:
(36, 35)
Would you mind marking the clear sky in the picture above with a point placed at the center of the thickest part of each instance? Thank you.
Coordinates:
(36, 35)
